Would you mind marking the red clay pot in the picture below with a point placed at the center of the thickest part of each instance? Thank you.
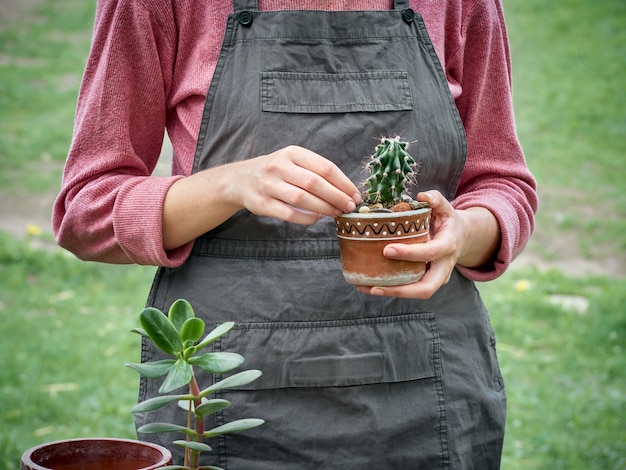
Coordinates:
(96, 454)
(362, 238)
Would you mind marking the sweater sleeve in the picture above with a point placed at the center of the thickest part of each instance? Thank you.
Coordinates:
(109, 208)
(496, 175)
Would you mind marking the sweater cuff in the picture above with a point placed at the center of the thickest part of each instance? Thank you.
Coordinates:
(138, 222)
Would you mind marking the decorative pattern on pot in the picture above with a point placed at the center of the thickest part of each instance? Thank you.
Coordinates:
(377, 228)
(362, 238)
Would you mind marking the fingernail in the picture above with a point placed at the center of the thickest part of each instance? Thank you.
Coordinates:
(351, 206)
(357, 197)
(377, 291)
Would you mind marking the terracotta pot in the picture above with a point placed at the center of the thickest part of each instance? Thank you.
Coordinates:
(362, 238)
(96, 454)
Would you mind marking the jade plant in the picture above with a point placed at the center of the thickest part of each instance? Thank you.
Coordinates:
(180, 335)
(391, 170)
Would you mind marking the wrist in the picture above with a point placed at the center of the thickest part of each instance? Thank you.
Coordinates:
(193, 206)
(480, 235)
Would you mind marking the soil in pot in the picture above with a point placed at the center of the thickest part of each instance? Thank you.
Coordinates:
(96, 454)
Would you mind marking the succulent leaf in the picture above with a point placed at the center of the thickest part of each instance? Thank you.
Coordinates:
(217, 362)
(211, 406)
(155, 403)
(179, 375)
(152, 370)
(180, 312)
(154, 428)
(192, 330)
(161, 331)
(237, 380)
(216, 333)
(189, 351)
(234, 426)
(199, 446)
(140, 331)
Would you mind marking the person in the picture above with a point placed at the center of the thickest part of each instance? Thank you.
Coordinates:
(271, 107)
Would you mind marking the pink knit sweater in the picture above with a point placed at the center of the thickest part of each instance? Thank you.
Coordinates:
(149, 69)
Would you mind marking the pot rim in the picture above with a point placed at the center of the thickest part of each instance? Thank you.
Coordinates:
(384, 215)
(166, 455)
(93, 439)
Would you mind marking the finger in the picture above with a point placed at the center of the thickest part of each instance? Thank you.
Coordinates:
(328, 171)
(441, 207)
(311, 191)
(290, 213)
(436, 276)
(279, 183)
(433, 250)
(433, 197)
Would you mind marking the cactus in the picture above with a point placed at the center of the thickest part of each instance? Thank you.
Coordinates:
(391, 169)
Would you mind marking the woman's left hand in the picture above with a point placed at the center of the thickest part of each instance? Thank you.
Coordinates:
(468, 237)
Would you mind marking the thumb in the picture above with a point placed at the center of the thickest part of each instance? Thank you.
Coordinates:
(436, 201)
(432, 197)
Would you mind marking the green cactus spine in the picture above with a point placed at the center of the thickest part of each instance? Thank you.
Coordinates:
(391, 170)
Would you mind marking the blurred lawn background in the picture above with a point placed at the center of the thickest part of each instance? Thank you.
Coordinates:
(64, 324)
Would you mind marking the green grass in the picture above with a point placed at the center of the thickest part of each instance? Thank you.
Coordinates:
(65, 324)
(41, 68)
(564, 368)
(65, 329)
(568, 75)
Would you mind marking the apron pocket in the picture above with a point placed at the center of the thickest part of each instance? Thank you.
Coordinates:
(337, 353)
(342, 395)
(317, 92)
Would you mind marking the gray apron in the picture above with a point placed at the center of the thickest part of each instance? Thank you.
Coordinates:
(350, 381)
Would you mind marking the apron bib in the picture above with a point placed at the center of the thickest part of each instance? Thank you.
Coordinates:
(350, 381)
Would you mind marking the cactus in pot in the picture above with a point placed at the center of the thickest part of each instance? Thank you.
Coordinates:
(388, 214)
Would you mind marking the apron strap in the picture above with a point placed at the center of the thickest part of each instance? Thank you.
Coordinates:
(400, 4)
(245, 5)
(253, 5)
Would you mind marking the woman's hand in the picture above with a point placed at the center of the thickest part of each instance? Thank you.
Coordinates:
(292, 184)
(295, 185)
(467, 237)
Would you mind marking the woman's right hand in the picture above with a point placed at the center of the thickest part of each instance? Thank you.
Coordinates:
(292, 184)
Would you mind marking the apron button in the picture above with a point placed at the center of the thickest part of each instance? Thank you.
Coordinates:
(245, 18)
(408, 15)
